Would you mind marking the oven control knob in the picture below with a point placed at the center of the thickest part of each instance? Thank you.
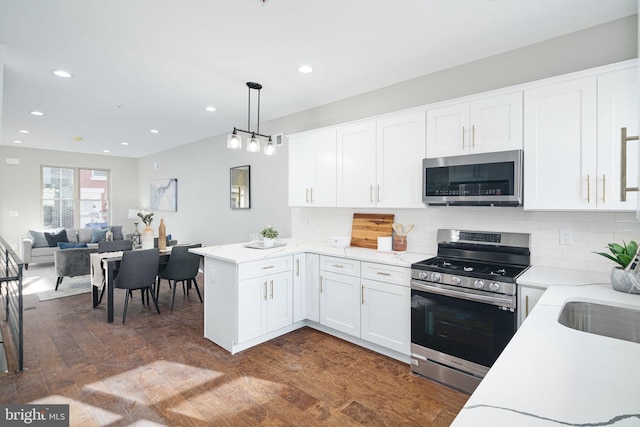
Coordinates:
(455, 280)
(423, 275)
(436, 277)
(494, 286)
(478, 284)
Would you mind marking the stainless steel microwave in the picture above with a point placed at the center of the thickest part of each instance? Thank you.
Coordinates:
(487, 179)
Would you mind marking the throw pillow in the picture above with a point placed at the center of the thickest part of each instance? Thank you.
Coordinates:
(54, 237)
(98, 234)
(84, 235)
(38, 239)
(63, 245)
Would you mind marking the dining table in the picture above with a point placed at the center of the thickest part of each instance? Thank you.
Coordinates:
(104, 267)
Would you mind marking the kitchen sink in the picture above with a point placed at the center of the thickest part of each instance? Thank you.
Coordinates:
(600, 319)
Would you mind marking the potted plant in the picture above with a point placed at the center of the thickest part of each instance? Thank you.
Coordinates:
(269, 235)
(622, 280)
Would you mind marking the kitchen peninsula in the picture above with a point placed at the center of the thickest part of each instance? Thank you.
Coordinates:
(357, 294)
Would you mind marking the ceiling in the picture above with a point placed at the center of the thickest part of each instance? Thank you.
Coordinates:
(156, 64)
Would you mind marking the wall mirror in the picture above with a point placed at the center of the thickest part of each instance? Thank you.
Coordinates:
(241, 187)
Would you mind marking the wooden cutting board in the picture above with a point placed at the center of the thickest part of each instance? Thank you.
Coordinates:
(366, 228)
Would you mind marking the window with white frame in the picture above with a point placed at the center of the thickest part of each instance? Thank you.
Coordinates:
(74, 197)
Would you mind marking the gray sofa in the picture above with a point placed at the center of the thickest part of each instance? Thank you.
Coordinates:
(34, 247)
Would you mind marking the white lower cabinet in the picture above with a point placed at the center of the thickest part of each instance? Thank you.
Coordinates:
(528, 297)
(371, 302)
(340, 302)
(312, 286)
(265, 302)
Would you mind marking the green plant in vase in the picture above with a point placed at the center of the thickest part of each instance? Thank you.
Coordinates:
(269, 234)
(621, 254)
(621, 279)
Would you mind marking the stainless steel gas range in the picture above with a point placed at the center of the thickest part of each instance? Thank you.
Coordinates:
(463, 304)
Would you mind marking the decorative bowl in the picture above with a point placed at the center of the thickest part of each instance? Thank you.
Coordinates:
(340, 241)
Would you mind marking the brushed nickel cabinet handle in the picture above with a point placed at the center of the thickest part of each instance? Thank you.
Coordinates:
(379, 199)
(271, 289)
(604, 187)
(362, 292)
(623, 164)
(526, 310)
(383, 273)
(265, 290)
(298, 267)
(338, 265)
(588, 188)
(321, 280)
(306, 195)
(371, 193)
(311, 194)
(463, 131)
(473, 136)
(268, 267)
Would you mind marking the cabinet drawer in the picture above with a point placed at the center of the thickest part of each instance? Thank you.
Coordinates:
(386, 273)
(340, 265)
(265, 267)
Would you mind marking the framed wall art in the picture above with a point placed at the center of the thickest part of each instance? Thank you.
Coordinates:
(164, 195)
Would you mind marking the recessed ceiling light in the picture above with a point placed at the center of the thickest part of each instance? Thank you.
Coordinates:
(17, 142)
(23, 131)
(124, 143)
(105, 151)
(36, 113)
(305, 69)
(154, 131)
(210, 108)
(62, 73)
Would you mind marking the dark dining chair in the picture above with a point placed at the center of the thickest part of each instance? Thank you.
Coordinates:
(182, 267)
(138, 270)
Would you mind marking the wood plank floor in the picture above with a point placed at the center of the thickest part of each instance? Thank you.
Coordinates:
(159, 370)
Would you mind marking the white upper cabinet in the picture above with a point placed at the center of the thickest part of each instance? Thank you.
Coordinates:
(379, 163)
(617, 159)
(312, 169)
(572, 141)
(560, 145)
(480, 126)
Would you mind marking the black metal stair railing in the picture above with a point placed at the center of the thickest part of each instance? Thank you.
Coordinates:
(11, 268)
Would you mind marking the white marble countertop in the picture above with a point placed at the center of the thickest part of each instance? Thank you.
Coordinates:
(237, 253)
(543, 277)
(553, 375)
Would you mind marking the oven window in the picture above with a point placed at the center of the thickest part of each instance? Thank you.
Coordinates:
(469, 330)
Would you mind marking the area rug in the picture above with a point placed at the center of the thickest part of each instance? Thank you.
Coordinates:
(40, 279)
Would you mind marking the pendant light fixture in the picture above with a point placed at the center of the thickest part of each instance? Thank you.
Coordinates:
(234, 141)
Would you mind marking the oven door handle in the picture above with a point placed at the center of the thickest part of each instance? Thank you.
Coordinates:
(501, 302)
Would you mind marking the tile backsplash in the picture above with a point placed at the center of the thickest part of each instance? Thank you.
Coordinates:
(591, 231)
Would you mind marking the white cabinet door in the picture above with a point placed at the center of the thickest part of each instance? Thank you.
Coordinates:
(400, 150)
(486, 125)
(447, 131)
(560, 145)
(356, 162)
(252, 308)
(386, 315)
(340, 302)
(496, 123)
(528, 297)
(617, 109)
(312, 169)
(312, 287)
(279, 301)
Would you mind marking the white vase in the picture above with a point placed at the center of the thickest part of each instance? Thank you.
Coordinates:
(268, 243)
(147, 238)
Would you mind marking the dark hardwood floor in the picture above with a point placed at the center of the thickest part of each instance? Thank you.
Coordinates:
(159, 370)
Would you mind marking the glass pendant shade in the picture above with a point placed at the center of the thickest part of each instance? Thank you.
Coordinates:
(269, 149)
(253, 144)
(234, 141)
